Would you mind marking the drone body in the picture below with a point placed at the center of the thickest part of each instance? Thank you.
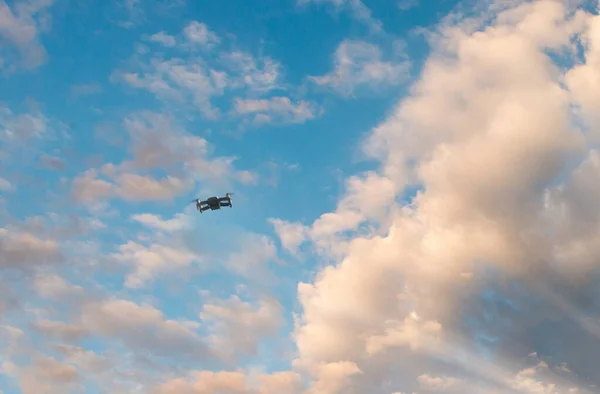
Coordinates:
(213, 203)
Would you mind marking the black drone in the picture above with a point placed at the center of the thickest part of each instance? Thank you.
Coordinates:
(213, 203)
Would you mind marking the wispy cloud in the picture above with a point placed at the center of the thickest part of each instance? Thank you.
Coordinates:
(361, 65)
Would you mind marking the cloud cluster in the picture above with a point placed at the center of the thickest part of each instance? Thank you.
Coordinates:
(465, 263)
(357, 8)
(157, 141)
(197, 70)
(20, 27)
(360, 65)
(489, 137)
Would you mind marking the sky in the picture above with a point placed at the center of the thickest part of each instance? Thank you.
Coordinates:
(415, 197)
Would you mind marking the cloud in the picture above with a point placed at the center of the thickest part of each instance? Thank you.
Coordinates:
(155, 222)
(60, 330)
(238, 327)
(255, 251)
(179, 80)
(47, 375)
(439, 384)
(198, 33)
(6, 186)
(360, 65)
(20, 26)
(207, 382)
(149, 261)
(357, 8)
(291, 235)
(368, 197)
(21, 126)
(55, 287)
(487, 138)
(444, 289)
(86, 89)
(405, 5)
(279, 110)
(163, 38)
(258, 75)
(143, 328)
(191, 76)
(53, 162)
(23, 252)
(157, 142)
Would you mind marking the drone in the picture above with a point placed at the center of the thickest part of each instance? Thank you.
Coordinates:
(213, 203)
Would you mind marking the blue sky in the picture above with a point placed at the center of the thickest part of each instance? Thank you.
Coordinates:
(395, 167)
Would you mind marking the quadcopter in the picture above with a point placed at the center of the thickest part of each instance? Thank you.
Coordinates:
(213, 203)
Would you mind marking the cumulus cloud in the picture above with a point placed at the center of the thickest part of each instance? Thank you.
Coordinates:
(238, 327)
(163, 38)
(198, 33)
(54, 287)
(487, 136)
(21, 126)
(277, 110)
(368, 197)
(251, 259)
(60, 330)
(143, 328)
(6, 186)
(361, 65)
(156, 222)
(191, 76)
(85, 89)
(23, 252)
(207, 382)
(291, 235)
(20, 26)
(48, 375)
(157, 142)
(149, 261)
(446, 289)
(258, 75)
(356, 7)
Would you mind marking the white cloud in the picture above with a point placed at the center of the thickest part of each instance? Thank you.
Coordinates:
(237, 326)
(189, 76)
(276, 110)
(439, 383)
(255, 252)
(207, 382)
(156, 222)
(21, 126)
(369, 197)
(143, 328)
(198, 33)
(157, 142)
(85, 89)
(181, 80)
(258, 75)
(291, 235)
(149, 261)
(360, 65)
(163, 38)
(405, 5)
(54, 287)
(484, 134)
(6, 186)
(60, 330)
(20, 26)
(47, 375)
(23, 251)
(358, 9)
